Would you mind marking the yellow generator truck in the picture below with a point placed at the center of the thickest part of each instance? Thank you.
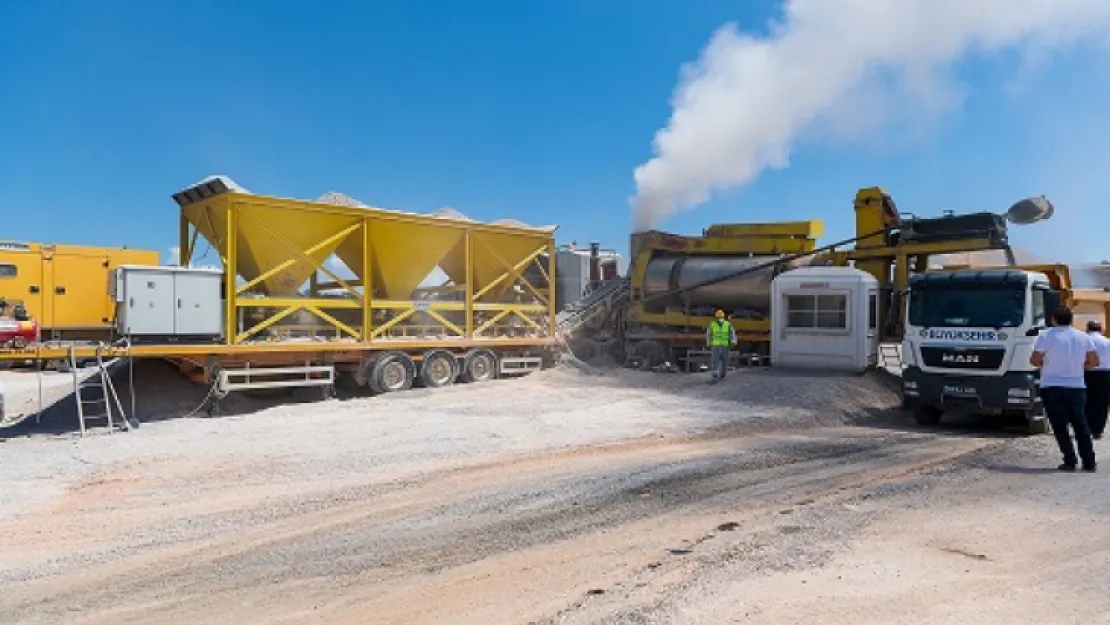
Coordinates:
(64, 287)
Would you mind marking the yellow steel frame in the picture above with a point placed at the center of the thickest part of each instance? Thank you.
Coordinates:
(538, 314)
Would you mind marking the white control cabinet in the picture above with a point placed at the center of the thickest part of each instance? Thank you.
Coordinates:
(175, 303)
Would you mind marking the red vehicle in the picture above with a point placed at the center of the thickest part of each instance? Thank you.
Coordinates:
(17, 330)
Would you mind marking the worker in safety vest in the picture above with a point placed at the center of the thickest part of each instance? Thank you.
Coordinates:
(720, 337)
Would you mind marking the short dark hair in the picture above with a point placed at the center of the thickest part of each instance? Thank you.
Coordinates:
(1094, 326)
(1062, 316)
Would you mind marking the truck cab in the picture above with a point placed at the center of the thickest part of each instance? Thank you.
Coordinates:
(968, 337)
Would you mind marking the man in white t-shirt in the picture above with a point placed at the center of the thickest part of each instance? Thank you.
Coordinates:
(1063, 354)
(1098, 382)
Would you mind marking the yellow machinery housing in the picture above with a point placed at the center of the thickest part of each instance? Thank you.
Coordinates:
(679, 319)
(65, 287)
(668, 309)
(891, 247)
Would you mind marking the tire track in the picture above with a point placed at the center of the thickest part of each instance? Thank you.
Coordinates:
(535, 518)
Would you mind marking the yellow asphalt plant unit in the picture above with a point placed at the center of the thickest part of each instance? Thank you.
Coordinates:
(500, 294)
(279, 244)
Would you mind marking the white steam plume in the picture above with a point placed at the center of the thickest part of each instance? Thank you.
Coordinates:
(826, 68)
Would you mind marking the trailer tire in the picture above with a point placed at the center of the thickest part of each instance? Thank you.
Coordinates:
(439, 368)
(392, 372)
(927, 415)
(479, 365)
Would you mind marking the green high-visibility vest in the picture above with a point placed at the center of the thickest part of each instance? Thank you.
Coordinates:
(721, 334)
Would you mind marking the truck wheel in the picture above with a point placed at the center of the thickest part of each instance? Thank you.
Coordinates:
(927, 415)
(479, 365)
(439, 368)
(1036, 421)
(1038, 425)
(392, 372)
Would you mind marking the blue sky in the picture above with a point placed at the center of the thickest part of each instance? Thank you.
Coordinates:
(537, 111)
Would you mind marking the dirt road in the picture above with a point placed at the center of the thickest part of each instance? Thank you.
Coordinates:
(852, 524)
(659, 531)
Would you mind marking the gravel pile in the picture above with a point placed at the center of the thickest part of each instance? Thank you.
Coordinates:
(336, 198)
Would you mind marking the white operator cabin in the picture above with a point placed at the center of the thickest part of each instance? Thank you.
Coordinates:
(825, 318)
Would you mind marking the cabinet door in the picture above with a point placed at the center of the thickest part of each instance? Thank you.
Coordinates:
(79, 291)
(149, 303)
(199, 310)
(21, 281)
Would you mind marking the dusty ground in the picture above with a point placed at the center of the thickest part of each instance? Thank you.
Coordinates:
(560, 498)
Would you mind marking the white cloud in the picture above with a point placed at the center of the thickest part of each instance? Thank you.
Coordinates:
(743, 106)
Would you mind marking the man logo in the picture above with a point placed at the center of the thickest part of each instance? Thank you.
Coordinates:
(967, 359)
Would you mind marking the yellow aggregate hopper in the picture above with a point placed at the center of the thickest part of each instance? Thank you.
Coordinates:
(501, 276)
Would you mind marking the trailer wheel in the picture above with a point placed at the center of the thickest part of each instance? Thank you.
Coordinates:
(440, 368)
(479, 365)
(392, 372)
(927, 415)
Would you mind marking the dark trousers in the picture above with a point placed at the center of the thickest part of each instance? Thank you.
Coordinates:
(1098, 400)
(1066, 406)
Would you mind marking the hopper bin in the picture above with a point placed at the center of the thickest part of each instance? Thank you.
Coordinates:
(278, 245)
(284, 245)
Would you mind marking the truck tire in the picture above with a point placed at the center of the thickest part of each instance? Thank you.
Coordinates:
(439, 368)
(1036, 422)
(392, 372)
(927, 415)
(1038, 425)
(479, 365)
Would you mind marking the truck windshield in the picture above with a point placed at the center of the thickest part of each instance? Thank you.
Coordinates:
(966, 308)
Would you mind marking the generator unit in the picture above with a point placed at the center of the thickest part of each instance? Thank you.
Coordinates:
(175, 304)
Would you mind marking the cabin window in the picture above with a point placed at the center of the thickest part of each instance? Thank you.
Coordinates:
(8, 270)
(817, 312)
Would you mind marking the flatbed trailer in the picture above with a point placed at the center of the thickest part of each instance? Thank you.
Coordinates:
(383, 326)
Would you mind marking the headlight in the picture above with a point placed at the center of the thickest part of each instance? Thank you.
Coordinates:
(1019, 392)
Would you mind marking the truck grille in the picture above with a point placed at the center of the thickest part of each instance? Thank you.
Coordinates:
(963, 357)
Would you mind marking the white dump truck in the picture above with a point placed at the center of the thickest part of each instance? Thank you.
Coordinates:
(968, 337)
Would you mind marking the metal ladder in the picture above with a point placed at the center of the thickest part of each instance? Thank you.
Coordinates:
(102, 382)
(890, 356)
